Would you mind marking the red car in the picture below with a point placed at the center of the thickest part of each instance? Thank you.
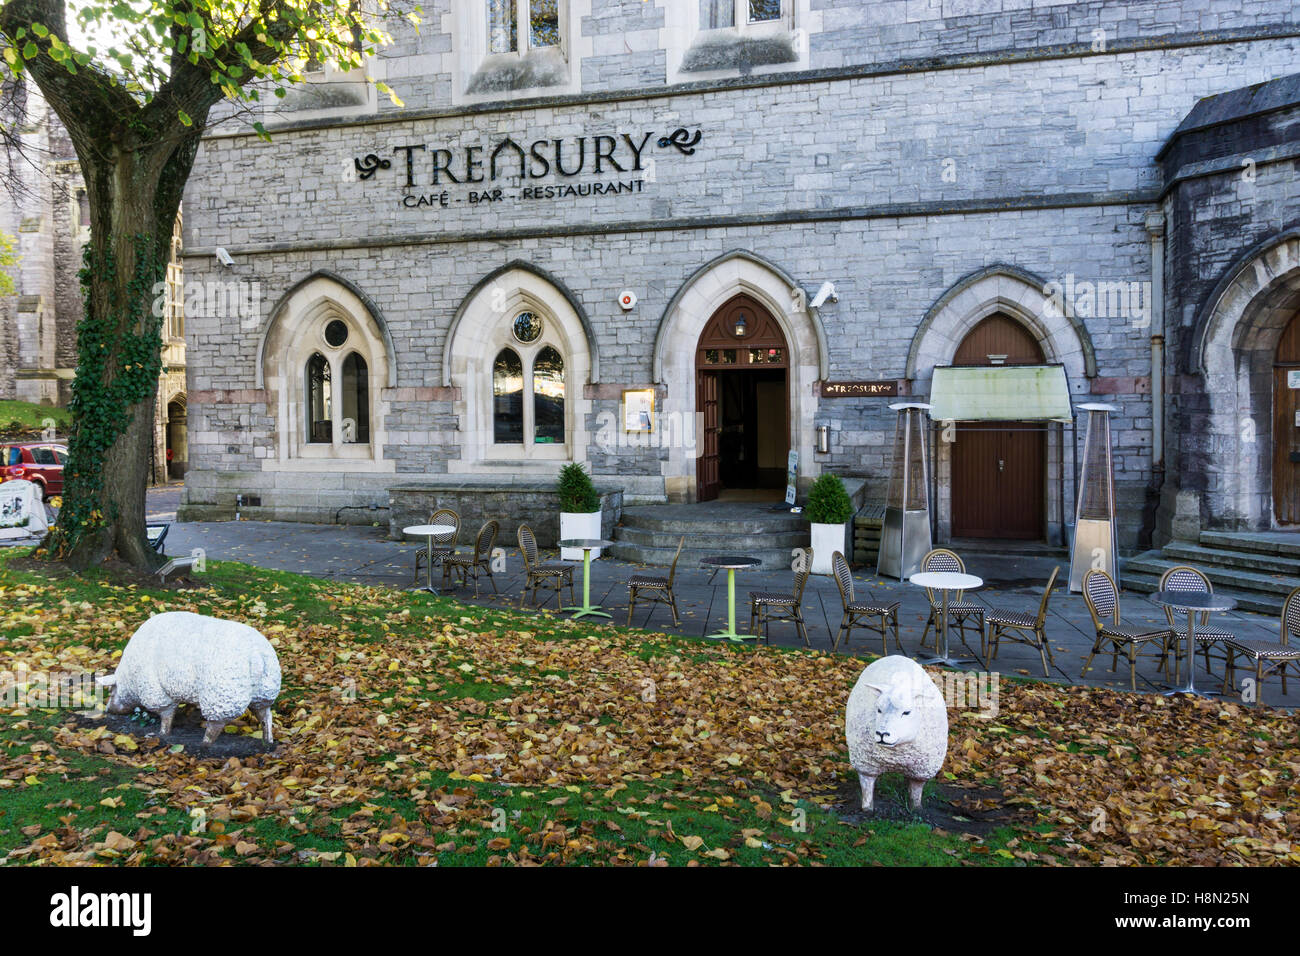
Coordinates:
(38, 462)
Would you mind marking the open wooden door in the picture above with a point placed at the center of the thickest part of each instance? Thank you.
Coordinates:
(707, 480)
(740, 346)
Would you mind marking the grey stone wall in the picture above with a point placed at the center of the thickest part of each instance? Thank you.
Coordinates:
(1217, 211)
(894, 185)
(536, 504)
(851, 34)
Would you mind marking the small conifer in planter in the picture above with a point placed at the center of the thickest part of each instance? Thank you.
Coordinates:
(829, 510)
(579, 509)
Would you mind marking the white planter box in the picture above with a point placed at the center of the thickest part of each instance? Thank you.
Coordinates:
(577, 525)
(826, 540)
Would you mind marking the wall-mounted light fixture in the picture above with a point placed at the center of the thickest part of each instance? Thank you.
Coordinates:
(742, 327)
(823, 439)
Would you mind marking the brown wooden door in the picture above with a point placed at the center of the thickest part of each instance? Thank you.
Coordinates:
(707, 481)
(1286, 427)
(998, 477)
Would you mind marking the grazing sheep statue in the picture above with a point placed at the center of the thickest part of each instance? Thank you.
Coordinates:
(223, 667)
(896, 721)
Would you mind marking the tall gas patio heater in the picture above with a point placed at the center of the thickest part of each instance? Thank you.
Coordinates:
(1094, 515)
(905, 536)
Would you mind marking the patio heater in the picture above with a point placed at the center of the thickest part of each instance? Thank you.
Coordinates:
(1094, 514)
(905, 535)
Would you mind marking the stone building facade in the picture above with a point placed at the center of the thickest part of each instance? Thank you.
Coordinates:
(43, 206)
(576, 201)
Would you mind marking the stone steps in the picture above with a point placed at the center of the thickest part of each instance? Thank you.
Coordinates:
(1256, 570)
(648, 534)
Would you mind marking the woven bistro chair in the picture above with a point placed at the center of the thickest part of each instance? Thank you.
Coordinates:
(768, 606)
(443, 544)
(1102, 598)
(476, 562)
(1021, 627)
(1277, 656)
(1186, 579)
(960, 612)
(874, 617)
(658, 588)
(552, 575)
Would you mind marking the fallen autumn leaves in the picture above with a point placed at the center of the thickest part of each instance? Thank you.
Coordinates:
(413, 730)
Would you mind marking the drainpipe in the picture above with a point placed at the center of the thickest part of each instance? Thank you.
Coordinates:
(1155, 226)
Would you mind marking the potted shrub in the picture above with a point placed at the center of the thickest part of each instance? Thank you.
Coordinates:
(579, 509)
(829, 510)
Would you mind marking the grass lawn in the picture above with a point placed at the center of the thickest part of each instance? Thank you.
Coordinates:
(414, 730)
(26, 417)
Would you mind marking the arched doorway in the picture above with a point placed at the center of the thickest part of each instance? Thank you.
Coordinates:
(177, 448)
(742, 365)
(1286, 425)
(998, 467)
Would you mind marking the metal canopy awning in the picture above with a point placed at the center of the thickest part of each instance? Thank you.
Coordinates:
(1004, 393)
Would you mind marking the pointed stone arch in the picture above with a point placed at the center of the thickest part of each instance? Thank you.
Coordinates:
(1233, 348)
(1019, 294)
(1012, 291)
(695, 302)
(498, 276)
(346, 295)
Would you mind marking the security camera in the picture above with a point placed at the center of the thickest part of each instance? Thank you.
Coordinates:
(827, 291)
(224, 257)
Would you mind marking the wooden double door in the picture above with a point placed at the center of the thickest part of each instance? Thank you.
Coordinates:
(1286, 426)
(997, 480)
(999, 468)
(742, 397)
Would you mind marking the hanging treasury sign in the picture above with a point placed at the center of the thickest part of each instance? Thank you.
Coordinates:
(439, 176)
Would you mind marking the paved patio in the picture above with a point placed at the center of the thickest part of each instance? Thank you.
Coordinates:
(365, 555)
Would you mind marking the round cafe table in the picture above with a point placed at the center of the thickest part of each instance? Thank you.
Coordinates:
(731, 563)
(430, 531)
(945, 581)
(1193, 604)
(586, 609)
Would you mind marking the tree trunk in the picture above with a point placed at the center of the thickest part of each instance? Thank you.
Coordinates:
(134, 198)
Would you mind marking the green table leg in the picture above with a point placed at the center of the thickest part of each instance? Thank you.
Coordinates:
(587, 609)
(730, 632)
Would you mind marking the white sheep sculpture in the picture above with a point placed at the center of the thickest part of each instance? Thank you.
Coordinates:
(222, 667)
(896, 720)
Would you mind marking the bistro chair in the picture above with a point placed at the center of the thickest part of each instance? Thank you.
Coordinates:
(443, 544)
(552, 575)
(768, 606)
(1183, 578)
(1277, 656)
(1102, 598)
(1021, 627)
(873, 617)
(658, 588)
(477, 562)
(960, 612)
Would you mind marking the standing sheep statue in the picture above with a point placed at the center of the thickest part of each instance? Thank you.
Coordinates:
(223, 667)
(896, 721)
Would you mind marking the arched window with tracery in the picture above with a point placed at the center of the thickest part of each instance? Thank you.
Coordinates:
(520, 354)
(324, 361)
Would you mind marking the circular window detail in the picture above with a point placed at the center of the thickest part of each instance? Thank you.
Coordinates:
(528, 327)
(336, 333)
